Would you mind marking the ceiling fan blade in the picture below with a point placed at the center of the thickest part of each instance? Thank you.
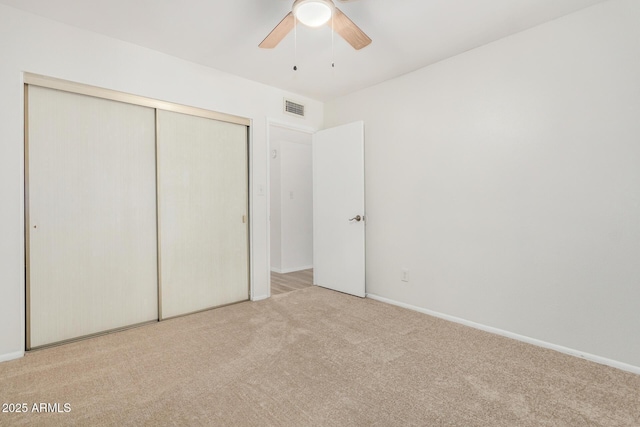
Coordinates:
(279, 32)
(349, 31)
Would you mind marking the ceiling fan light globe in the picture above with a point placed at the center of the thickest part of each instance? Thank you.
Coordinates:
(313, 13)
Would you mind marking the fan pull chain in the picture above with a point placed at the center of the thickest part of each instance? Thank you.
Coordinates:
(295, 44)
(333, 63)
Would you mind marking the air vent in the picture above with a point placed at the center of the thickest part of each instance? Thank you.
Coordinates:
(293, 108)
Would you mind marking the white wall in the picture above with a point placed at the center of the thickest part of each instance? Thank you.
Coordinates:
(40, 46)
(291, 200)
(275, 191)
(507, 179)
(297, 206)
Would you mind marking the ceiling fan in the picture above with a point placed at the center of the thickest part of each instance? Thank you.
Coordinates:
(315, 13)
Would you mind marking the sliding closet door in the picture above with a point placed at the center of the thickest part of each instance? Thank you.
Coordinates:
(203, 227)
(91, 222)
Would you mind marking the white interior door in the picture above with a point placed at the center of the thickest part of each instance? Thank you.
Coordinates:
(338, 209)
(203, 224)
(91, 224)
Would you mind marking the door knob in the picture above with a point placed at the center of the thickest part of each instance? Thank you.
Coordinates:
(356, 218)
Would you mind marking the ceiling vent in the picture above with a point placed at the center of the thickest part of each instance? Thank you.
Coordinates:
(293, 108)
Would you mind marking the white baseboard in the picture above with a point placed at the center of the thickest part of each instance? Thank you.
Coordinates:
(290, 270)
(572, 352)
(11, 356)
(259, 297)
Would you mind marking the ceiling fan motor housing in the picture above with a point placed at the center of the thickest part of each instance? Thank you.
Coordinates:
(313, 13)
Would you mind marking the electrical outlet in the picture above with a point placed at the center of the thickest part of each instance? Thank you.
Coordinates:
(404, 275)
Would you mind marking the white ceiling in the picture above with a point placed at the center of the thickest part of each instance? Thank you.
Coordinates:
(224, 34)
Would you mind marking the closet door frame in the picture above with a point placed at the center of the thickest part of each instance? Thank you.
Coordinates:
(30, 79)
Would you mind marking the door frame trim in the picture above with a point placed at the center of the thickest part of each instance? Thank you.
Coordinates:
(114, 95)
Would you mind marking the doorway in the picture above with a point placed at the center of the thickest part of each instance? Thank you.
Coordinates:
(291, 208)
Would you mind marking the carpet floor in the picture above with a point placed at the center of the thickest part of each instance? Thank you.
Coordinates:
(313, 357)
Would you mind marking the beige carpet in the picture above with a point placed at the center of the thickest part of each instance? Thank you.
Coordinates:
(314, 357)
